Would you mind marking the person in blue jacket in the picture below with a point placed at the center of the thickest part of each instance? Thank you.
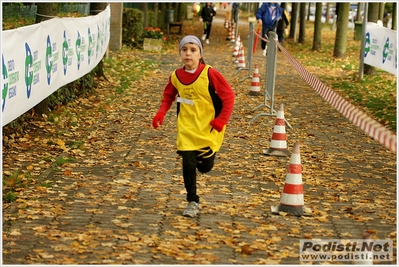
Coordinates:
(268, 15)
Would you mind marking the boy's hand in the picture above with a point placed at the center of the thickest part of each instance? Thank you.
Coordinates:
(158, 119)
(217, 125)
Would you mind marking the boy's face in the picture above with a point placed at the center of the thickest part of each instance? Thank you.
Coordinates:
(190, 55)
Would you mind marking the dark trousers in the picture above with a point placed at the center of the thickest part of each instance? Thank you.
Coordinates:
(207, 28)
(265, 32)
(280, 34)
(193, 160)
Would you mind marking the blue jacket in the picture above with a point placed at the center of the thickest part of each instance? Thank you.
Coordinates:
(264, 14)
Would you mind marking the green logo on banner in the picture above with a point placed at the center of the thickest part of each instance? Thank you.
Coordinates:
(5, 85)
(28, 70)
(49, 61)
(77, 46)
(65, 53)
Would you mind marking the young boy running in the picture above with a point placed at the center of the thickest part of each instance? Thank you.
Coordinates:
(205, 103)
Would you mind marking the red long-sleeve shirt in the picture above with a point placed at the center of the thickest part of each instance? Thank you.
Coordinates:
(216, 80)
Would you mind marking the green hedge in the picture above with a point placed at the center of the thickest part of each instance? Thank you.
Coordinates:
(132, 23)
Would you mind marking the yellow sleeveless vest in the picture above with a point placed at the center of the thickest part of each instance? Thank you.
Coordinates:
(196, 108)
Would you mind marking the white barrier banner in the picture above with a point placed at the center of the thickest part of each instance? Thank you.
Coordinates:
(380, 49)
(39, 59)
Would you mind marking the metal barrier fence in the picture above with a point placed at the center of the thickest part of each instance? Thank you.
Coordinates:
(19, 11)
(29, 11)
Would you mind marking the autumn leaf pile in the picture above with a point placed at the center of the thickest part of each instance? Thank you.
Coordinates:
(96, 184)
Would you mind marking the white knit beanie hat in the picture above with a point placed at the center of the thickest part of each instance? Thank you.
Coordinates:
(191, 39)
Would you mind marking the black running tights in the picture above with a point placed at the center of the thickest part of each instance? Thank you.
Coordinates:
(191, 162)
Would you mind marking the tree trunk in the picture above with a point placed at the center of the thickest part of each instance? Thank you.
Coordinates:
(317, 27)
(155, 15)
(302, 23)
(179, 13)
(294, 20)
(373, 11)
(381, 11)
(144, 7)
(96, 8)
(359, 12)
(372, 16)
(394, 14)
(308, 13)
(342, 30)
(45, 11)
(163, 12)
(175, 11)
(327, 12)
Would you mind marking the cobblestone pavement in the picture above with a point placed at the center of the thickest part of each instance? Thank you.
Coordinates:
(123, 202)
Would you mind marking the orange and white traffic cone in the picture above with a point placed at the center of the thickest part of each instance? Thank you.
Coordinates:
(278, 144)
(238, 54)
(232, 36)
(230, 31)
(255, 83)
(236, 47)
(292, 200)
(238, 39)
(241, 57)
